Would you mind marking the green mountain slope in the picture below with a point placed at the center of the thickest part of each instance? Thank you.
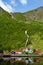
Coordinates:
(19, 16)
(12, 34)
(36, 14)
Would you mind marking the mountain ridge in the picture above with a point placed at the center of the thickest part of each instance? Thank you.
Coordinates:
(12, 30)
(36, 14)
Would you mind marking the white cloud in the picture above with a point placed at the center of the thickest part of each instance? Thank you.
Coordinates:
(23, 2)
(6, 6)
(13, 3)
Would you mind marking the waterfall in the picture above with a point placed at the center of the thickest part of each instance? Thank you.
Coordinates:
(27, 37)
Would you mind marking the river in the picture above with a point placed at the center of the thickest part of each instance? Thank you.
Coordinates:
(21, 60)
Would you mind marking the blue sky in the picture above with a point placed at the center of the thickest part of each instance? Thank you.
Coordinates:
(20, 5)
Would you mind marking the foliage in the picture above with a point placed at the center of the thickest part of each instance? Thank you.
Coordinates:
(12, 32)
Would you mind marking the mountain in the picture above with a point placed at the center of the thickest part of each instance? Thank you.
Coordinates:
(36, 14)
(19, 16)
(12, 30)
(4, 16)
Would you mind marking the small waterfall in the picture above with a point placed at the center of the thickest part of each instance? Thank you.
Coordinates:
(27, 37)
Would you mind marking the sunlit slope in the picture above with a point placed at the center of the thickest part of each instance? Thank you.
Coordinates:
(12, 34)
(36, 14)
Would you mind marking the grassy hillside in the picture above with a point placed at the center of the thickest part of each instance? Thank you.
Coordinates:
(36, 14)
(19, 16)
(12, 32)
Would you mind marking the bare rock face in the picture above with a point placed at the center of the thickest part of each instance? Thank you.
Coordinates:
(1, 10)
(36, 14)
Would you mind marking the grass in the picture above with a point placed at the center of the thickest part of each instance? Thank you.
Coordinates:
(12, 34)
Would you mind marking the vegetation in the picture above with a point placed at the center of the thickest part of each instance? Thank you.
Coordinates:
(19, 63)
(36, 14)
(12, 32)
(19, 17)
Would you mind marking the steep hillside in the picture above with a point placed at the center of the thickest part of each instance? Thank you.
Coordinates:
(4, 16)
(10, 31)
(12, 34)
(19, 17)
(36, 14)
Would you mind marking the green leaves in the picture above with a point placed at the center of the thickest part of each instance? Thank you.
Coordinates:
(12, 32)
